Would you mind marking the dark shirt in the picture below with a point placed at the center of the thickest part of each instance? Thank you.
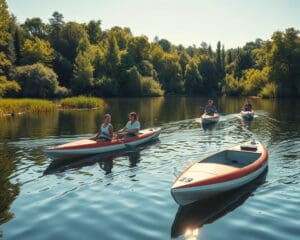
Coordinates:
(210, 110)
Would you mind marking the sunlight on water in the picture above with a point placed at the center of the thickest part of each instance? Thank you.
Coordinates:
(126, 195)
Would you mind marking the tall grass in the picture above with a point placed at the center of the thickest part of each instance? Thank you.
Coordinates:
(15, 106)
(82, 102)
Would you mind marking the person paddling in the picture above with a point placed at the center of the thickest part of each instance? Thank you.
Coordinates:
(247, 107)
(131, 128)
(106, 130)
(210, 109)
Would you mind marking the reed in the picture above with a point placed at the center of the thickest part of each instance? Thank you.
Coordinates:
(10, 106)
(82, 102)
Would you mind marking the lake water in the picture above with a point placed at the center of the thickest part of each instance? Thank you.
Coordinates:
(127, 195)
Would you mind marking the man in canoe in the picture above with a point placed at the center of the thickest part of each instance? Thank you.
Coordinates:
(247, 107)
(131, 128)
(106, 130)
(210, 109)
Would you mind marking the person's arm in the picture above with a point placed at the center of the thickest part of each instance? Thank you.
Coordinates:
(136, 128)
(111, 130)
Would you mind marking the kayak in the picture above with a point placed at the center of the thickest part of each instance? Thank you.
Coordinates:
(220, 172)
(194, 216)
(247, 114)
(207, 119)
(90, 146)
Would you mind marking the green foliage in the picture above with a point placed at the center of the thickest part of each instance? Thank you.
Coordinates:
(254, 80)
(165, 45)
(150, 87)
(94, 31)
(83, 80)
(35, 28)
(71, 35)
(36, 80)
(270, 90)
(37, 50)
(146, 68)
(208, 71)
(106, 87)
(90, 61)
(82, 102)
(112, 57)
(193, 80)
(232, 86)
(133, 86)
(8, 86)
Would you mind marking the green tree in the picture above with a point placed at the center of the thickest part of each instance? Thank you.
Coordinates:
(112, 57)
(35, 28)
(94, 31)
(83, 80)
(209, 73)
(37, 50)
(37, 80)
(193, 80)
(5, 40)
(165, 45)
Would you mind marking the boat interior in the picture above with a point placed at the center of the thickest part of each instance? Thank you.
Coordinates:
(233, 158)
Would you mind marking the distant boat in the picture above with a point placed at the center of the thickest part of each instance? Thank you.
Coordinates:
(207, 119)
(88, 147)
(248, 115)
(220, 172)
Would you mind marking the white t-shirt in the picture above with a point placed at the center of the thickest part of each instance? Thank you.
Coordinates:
(134, 125)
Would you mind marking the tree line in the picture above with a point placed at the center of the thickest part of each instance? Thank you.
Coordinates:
(58, 59)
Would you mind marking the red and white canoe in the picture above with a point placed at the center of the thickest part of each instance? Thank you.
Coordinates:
(220, 172)
(88, 147)
(247, 114)
(207, 119)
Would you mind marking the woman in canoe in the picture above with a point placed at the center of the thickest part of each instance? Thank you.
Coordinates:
(106, 130)
(247, 107)
(210, 109)
(131, 128)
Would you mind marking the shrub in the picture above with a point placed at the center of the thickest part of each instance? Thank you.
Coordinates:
(82, 102)
(150, 87)
(269, 91)
(37, 80)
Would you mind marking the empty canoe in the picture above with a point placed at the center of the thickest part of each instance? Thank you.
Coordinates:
(220, 172)
(87, 147)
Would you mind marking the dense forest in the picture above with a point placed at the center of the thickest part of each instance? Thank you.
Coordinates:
(59, 59)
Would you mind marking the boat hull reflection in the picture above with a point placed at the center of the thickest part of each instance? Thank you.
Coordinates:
(191, 217)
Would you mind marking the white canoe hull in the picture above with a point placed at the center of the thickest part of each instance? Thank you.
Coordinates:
(185, 196)
(207, 119)
(223, 171)
(122, 144)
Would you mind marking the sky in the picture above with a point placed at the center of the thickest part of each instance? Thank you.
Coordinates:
(186, 22)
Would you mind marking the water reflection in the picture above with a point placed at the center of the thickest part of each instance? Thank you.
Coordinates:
(8, 190)
(105, 162)
(189, 219)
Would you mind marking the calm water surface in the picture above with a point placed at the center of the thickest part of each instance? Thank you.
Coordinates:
(127, 195)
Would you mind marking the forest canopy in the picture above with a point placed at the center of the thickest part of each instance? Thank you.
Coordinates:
(58, 59)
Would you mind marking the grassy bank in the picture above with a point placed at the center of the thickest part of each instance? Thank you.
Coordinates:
(11, 106)
(82, 102)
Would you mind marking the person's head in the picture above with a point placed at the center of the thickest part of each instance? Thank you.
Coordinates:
(132, 116)
(106, 118)
(210, 102)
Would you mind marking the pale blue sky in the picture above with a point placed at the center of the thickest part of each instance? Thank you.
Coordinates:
(187, 22)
